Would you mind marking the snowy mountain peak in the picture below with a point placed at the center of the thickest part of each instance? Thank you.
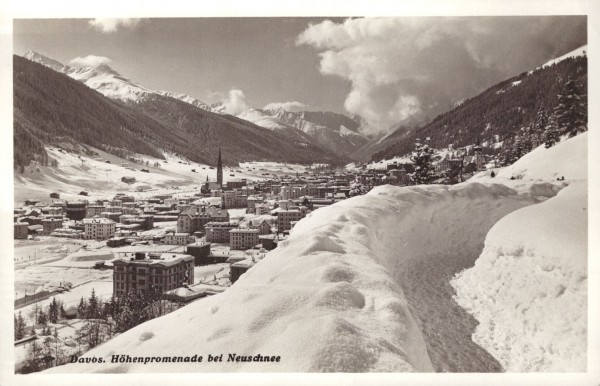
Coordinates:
(46, 61)
(108, 81)
(185, 98)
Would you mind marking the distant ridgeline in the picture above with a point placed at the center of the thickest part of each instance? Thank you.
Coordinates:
(50, 108)
(518, 112)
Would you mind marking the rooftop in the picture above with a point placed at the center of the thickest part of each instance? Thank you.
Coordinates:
(98, 220)
(244, 231)
(156, 258)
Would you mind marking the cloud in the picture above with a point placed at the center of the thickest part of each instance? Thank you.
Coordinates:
(293, 106)
(112, 25)
(90, 61)
(411, 69)
(235, 103)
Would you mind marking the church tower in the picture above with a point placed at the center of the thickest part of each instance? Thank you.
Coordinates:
(478, 156)
(220, 170)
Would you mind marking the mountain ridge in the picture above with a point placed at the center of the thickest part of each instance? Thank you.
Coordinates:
(78, 113)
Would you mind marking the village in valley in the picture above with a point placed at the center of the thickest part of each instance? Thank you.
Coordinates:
(125, 255)
(389, 194)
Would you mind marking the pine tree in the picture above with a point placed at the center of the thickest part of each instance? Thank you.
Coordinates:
(20, 327)
(571, 111)
(53, 311)
(42, 318)
(33, 357)
(82, 309)
(552, 137)
(422, 158)
(93, 310)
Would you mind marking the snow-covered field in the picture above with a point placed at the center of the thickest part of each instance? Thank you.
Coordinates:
(364, 285)
(77, 173)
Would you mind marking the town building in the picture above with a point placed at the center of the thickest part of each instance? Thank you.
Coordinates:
(268, 242)
(111, 216)
(93, 210)
(218, 232)
(145, 271)
(251, 203)
(239, 268)
(201, 253)
(232, 199)
(264, 228)
(98, 228)
(478, 157)
(285, 217)
(76, 210)
(261, 209)
(178, 239)
(195, 219)
(290, 192)
(68, 233)
(50, 224)
(116, 242)
(242, 239)
(21, 230)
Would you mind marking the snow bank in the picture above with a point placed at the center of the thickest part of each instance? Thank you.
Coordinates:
(326, 300)
(528, 289)
(566, 159)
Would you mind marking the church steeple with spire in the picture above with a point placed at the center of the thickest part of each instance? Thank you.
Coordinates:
(220, 170)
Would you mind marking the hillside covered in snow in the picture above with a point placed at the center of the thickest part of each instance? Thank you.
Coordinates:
(365, 285)
(528, 289)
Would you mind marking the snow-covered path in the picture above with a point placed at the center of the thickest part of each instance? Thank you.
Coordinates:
(447, 328)
(441, 233)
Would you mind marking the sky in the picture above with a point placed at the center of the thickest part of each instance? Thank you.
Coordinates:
(387, 70)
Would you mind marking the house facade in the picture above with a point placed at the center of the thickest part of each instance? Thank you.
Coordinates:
(145, 271)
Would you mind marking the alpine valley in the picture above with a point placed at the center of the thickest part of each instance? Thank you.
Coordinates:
(122, 114)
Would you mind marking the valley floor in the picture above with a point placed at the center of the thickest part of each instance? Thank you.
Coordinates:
(377, 283)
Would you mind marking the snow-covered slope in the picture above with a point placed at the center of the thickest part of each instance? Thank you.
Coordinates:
(567, 159)
(261, 119)
(528, 290)
(185, 98)
(109, 82)
(46, 61)
(581, 51)
(335, 132)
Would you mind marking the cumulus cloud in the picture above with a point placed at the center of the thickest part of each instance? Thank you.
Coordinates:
(112, 25)
(90, 61)
(292, 106)
(235, 103)
(410, 69)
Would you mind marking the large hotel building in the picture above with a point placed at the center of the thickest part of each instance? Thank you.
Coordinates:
(164, 271)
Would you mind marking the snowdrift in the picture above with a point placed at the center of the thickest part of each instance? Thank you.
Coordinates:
(567, 159)
(528, 289)
(326, 300)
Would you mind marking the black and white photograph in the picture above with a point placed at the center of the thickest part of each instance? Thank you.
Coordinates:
(242, 193)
